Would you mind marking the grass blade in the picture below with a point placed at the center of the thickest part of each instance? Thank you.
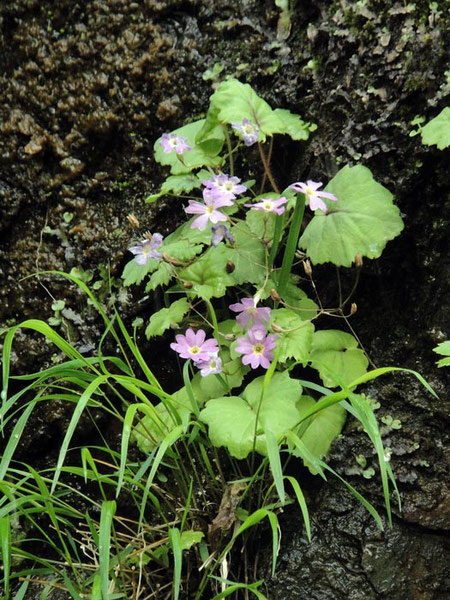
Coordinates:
(302, 503)
(104, 539)
(275, 463)
(5, 546)
(175, 543)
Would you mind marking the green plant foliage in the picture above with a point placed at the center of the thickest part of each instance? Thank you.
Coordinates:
(199, 156)
(361, 222)
(437, 131)
(296, 338)
(232, 420)
(208, 275)
(444, 349)
(260, 223)
(234, 101)
(293, 125)
(321, 429)
(135, 274)
(246, 256)
(162, 276)
(335, 354)
(164, 318)
(176, 184)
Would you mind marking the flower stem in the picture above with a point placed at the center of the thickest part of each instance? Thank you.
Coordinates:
(230, 150)
(267, 170)
(291, 245)
(190, 392)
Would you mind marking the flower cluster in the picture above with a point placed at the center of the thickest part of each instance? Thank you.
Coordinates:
(204, 353)
(220, 190)
(147, 249)
(256, 346)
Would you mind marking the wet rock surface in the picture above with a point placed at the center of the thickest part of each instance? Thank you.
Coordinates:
(86, 88)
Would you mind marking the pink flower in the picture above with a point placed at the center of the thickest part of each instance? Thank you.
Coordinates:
(207, 210)
(249, 131)
(248, 310)
(257, 347)
(225, 186)
(147, 249)
(310, 190)
(172, 141)
(193, 345)
(212, 366)
(270, 205)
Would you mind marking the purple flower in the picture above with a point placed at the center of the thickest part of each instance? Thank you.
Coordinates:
(310, 190)
(270, 205)
(193, 345)
(256, 348)
(207, 211)
(249, 131)
(225, 186)
(172, 141)
(212, 366)
(147, 249)
(248, 310)
(219, 233)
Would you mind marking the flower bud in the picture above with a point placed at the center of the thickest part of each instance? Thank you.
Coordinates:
(230, 337)
(276, 328)
(353, 308)
(133, 221)
(358, 261)
(230, 266)
(275, 295)
(307, 267)
(187, 285)
(172, 260)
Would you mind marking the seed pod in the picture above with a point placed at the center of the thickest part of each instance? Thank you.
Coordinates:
(187, 285)
(358, 261)
(230, 267)
(307, 267)
(276, 328)
(230, 337)
(133, 221)
(275, 295)
(353, 308)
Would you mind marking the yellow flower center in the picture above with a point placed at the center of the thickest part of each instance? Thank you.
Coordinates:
(258, 349)
(210, 209)
(194, 350)
(309, 191)
(268, 205)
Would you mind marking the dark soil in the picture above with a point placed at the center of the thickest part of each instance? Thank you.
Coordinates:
(86, 88)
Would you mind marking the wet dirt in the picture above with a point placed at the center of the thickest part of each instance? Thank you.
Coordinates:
(86, 88)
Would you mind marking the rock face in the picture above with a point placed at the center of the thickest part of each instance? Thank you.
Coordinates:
(85, 89)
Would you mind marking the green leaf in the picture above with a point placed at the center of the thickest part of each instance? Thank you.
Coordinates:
(176, 184)
(208, 274)
(295, 342)
(234, 101)
(260, 223)
(163, 319)
(444, 349)
(437, 131)
(161, 276)
(134, 273)
(361, 222)
(189, 538)
(293, 125)
(247, 256)
(191, 159)
(294, 297)
(211, 136)
(335, 354)
(231, 420)
(231, 424)
(322, 429)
